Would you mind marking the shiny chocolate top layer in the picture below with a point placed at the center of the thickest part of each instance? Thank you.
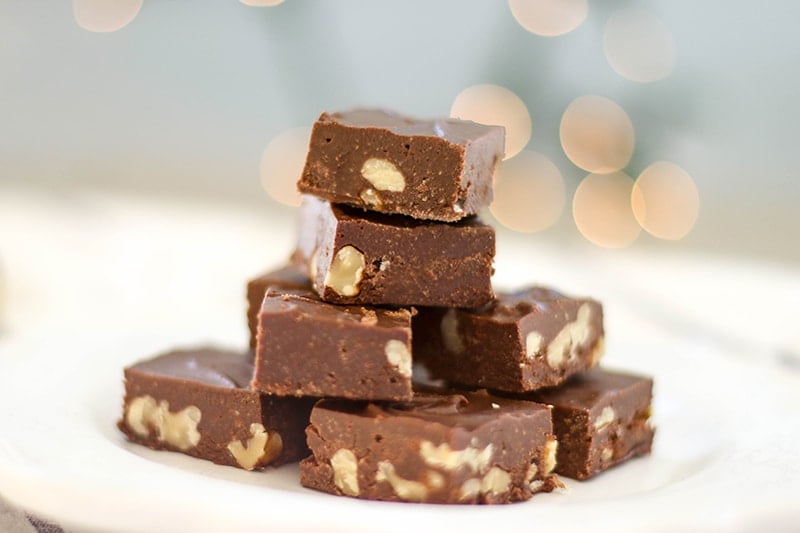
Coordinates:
(589, 388)
(451, 129)
(220, 368)
(469, 410)
(308, 303)
(511, 306)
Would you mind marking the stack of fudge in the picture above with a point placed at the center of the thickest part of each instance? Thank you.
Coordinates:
(380, 355)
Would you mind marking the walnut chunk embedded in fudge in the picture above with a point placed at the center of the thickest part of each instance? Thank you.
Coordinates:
(440, 447)
(198, 402)
(380, 161)
(521, 341)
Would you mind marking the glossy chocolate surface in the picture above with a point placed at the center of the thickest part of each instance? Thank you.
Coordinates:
(521, 341)
(445, 167)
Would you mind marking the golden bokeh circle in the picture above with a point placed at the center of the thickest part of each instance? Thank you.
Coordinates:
(104, 16)
(496, 105)
(529, 193)
(549, 17)
(602, 211)
(597, 134)
(665, 201)
(282, 164)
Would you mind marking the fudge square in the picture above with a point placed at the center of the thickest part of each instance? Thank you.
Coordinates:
(288, 277)
(601, 420)
(360, 257)
(427, 169)
(198, 402)
(521, 341)
(467, 447)
(307, 347)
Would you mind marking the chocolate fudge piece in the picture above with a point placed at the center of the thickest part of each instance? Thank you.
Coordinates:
(307, 347)
(427, 169)
(198, 402)
(601, 419)
(438, 448)
(521, 341)
(289, 277)
(361, 257)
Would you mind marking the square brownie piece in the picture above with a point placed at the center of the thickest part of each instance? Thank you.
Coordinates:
(521, 341)
(601, 420)
(368, 258)
(198, 402)
(381, 161)
(440, 447)
(307, 347)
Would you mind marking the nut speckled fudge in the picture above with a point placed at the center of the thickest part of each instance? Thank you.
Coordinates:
(601, 419)
(358, 257)
(428, 169)
(288, 277)
(307, 347)
(198, 402)
(521, 341)
(438, 448)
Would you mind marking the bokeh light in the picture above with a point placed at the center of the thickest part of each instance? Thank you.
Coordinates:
(529, 193)
(493, 104)
(282, 163)
(549, 17)
(601, 208)
(103, 16)
(597, 134)
(638, 46)
(261, 3)
(665, 200)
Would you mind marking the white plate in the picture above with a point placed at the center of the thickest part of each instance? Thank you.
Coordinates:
(725, 456)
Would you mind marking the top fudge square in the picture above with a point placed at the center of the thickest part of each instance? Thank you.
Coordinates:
(426, 169)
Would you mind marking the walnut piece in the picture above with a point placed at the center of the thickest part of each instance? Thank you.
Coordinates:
(370, 197)
(606, 416)
(261, 448)
(449, 328)
(495, 482)
(445, 458)
(383, 175)
(406, 489)
(533, 344)
(571, 338)
(345, 471)
(346, 271)
(399, 357)
(176, 429)
(549, 459)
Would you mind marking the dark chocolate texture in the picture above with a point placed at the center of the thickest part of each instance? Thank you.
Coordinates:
(288, 277)
(307, 347)
(521, 341)
(437, 448)
(601, 420)
(198, 402)
(426, 169)
(358, 257)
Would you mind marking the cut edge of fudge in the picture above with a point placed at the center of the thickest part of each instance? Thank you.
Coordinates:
(439, 169)
(307, 347)
(602, 419)
(371, 258)
(521, 341)
(197, 402)
(438, 448)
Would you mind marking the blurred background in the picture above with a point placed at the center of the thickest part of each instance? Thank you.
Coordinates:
(630, 124)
